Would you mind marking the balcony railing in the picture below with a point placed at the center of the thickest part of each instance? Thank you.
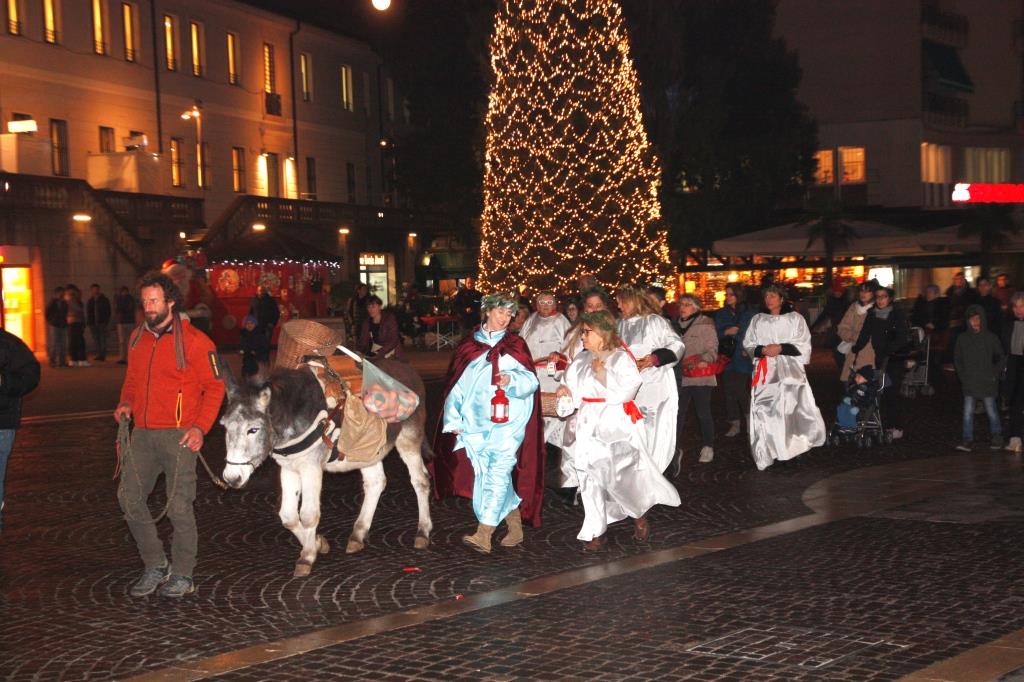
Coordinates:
(945, 111)
(14, 27)
(99, 46)
(51, 36)
(945, 27)
(273, 103)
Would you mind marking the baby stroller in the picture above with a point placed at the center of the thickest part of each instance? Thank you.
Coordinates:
(862, 425)
(918, 362)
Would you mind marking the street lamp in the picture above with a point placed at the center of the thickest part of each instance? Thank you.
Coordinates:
(194, 114)
(381, 5)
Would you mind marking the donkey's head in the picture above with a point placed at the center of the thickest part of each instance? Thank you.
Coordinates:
(248, 433)
(262, 414)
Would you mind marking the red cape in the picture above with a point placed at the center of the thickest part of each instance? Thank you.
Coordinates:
(450, 469)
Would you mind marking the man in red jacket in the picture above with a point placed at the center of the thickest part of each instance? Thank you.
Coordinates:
(173, 392)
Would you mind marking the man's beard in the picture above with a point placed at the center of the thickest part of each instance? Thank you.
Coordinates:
(159, 322)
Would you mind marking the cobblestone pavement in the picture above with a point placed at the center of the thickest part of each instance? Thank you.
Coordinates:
(66, 562)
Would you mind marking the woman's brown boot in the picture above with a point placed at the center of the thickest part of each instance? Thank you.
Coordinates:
(481, 539)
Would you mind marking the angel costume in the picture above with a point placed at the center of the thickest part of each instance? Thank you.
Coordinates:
(544, 336)
(784, 419)
(658, 398)
(616, 475)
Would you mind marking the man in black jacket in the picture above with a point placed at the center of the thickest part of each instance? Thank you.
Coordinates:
(19, 375)
(97, 318)
(57, 329)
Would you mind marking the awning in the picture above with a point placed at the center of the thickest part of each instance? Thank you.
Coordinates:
(866, 238)
(942, 62)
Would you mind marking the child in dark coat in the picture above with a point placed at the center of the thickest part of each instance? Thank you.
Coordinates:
(255, 346)
(860, 394)
(979, 359)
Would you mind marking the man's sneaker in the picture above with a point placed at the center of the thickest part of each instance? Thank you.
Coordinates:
(177, 586)
(964, 447)
(734, 429)
(150, 579)
(997, 442)
(707, 453)
(1014, 445)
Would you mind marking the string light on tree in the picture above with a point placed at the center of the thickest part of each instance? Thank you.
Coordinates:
(570, 179)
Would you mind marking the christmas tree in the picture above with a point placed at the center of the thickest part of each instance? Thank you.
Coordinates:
(570, 180)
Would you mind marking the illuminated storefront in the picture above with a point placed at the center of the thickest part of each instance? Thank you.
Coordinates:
(23, 299)
(377, 271)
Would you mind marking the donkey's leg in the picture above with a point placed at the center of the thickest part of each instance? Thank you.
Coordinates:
(312, 477)
(374, 481)
(410, 450)
(291, 493)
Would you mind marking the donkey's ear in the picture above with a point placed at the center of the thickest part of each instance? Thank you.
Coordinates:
(228, 377)
(263, 399)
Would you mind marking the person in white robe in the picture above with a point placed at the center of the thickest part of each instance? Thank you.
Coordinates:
(593, 301)
(657, 348)
(544, 333)
(784, 419)
(617, 477)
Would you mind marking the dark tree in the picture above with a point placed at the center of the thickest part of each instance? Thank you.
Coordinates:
(720, 104)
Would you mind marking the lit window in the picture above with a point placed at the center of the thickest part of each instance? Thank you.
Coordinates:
(176, 162)
(306, 73)
(291, 180)
(346, 87)
(106, 140)
(50, 33)
(936, 163)
(14, 17)
(128, 17)
(823, 173)
(851, 162)
(238, 169)
(269, 75)
(986, 164)
(202, 179)
(233, 58)
(171, 42)
(59, 147)
(99, 28)
(196, 40)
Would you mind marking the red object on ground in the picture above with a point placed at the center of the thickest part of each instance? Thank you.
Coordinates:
(412, 569)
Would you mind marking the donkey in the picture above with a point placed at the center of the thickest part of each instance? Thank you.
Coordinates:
(261, 419)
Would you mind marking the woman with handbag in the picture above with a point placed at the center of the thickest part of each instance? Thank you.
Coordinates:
(784, 419)
(698, 375)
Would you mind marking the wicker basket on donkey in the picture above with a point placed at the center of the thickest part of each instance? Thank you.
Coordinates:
(299, 338)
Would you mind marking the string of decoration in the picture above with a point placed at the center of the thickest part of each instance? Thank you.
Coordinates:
(570, 179)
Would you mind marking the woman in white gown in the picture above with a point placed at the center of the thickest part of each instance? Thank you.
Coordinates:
(593, 300)
(544, 333)
(657, 348)
(784, 419)
(616, 475)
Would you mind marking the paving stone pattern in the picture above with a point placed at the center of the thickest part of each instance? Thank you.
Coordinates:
(860, 599)
(66, 560)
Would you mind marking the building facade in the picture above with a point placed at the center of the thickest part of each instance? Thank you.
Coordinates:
(161, 124)
(910, 97)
